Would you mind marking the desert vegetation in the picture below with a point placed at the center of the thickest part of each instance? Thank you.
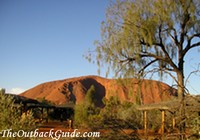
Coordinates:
(148, 37)
(141, 39)
(12, 117)
(124, 120)
(117, 119)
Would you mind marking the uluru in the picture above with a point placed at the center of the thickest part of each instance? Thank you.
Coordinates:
(73, 90)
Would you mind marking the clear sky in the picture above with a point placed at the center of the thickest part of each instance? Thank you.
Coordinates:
(45, 40)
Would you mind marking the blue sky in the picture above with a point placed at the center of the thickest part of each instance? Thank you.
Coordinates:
(45, 40)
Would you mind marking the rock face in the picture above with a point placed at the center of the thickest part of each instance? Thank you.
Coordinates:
(74, 90)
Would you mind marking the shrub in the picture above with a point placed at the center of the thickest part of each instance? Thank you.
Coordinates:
(11, 117)
(85, 110)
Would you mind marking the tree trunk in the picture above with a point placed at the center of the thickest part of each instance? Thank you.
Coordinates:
(181, 90)
(180, 75)
(180, 85)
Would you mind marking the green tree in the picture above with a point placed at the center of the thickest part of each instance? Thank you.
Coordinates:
(11, 117)
(2, 90)
(85, 110)
(148, 36)
(117, 116)
(90, 96)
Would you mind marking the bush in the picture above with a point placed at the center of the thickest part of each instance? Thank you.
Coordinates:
(85, 111)
(11, 117)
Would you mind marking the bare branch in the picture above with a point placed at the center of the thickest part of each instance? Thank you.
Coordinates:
(174, 38)
(189, 46)
(167, 58)
(194, 35)
(186, 18)
(122, 67)
(170, 74)
(191, 73)
(142, 70)
(195, 45)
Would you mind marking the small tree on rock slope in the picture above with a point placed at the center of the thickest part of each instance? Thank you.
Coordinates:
(84, 110)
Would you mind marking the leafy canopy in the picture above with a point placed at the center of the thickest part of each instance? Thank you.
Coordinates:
(141, 36)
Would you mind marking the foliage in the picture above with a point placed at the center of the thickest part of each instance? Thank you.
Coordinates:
(44, 101)
(142, 37)
(2, 90)
(154, 120)
(80, 116)
(11, 117)
(113, 118)
(90, 96)
(196, 127)
(85, 110)
(117, 115)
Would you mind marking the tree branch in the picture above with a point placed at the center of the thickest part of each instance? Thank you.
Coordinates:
(186, 18)
(166, 59)
(193, 72)
(142, 70)
(143, 55)
(190, 47)
(194, 35)
(174, 38)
